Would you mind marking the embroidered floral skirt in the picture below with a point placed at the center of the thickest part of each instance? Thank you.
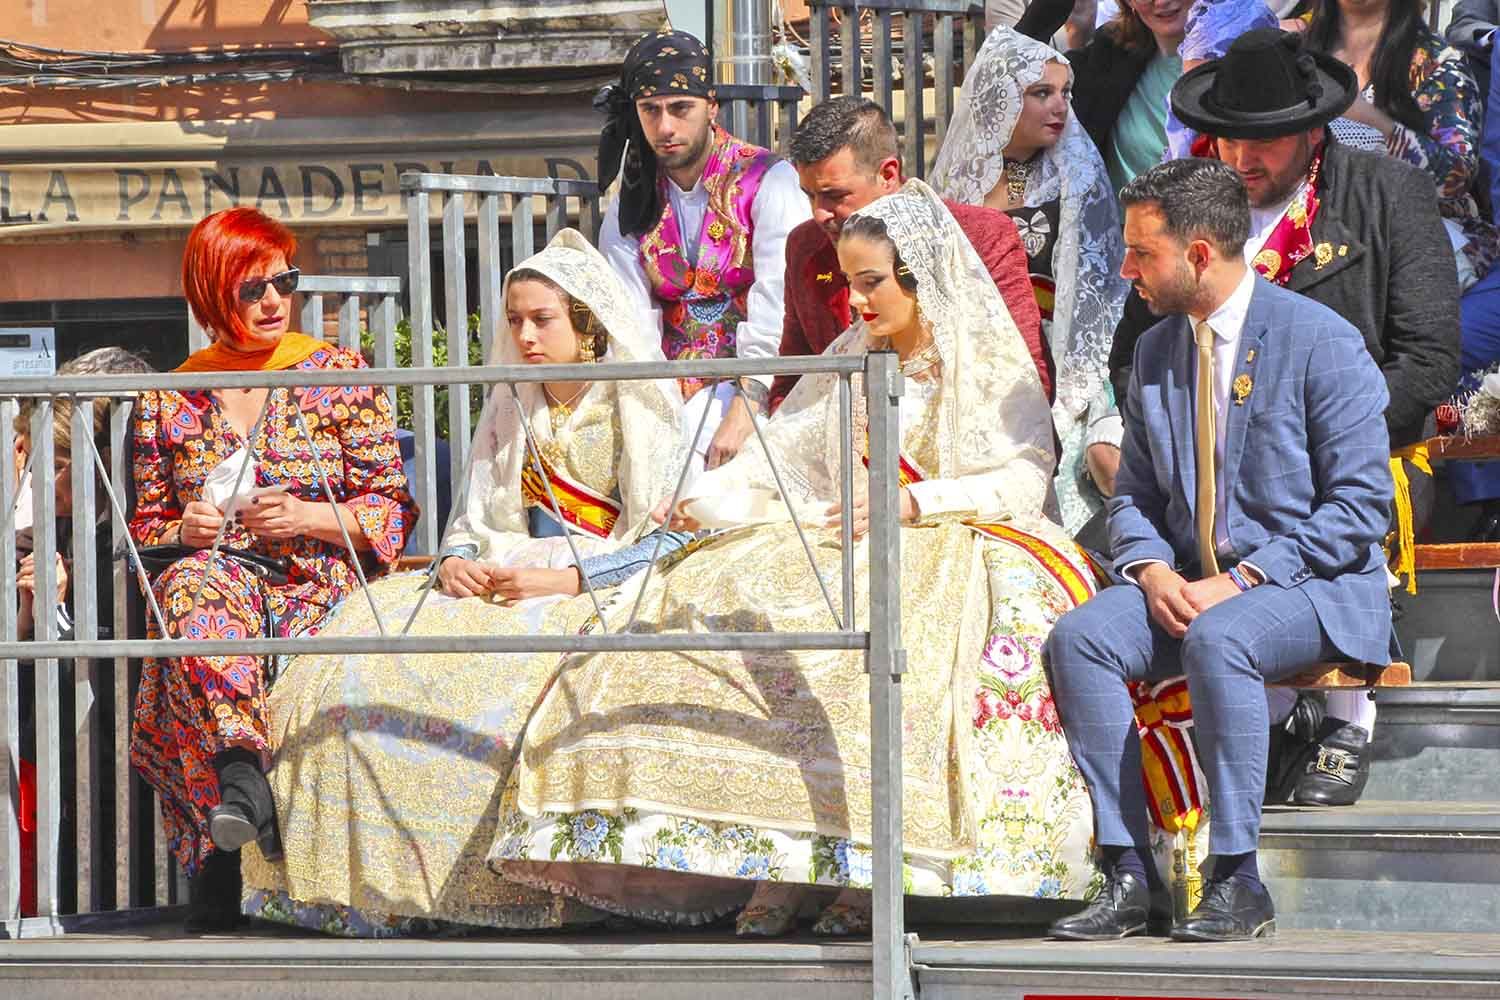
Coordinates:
(663, 785)
(190, 708)
(389, 769)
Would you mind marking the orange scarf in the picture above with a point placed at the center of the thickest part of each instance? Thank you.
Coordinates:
(292, 349)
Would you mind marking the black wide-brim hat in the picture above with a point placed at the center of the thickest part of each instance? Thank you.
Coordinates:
(1264, 87)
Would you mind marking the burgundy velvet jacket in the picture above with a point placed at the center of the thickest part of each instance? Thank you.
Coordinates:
(817, 294)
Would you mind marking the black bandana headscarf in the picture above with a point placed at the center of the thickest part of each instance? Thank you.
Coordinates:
(669, 62)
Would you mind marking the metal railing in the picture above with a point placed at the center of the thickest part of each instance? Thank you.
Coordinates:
(763, 115)
(494, 197)
(381, 296)
(83, 865)
(958, 32)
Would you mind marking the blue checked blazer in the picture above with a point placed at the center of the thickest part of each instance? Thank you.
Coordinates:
(1306, 462)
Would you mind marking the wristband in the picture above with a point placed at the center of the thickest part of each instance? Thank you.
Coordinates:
(1239, 579)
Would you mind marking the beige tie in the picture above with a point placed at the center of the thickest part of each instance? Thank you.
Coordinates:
(1207, 437)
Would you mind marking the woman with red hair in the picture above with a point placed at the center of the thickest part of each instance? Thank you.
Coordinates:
(272, 559)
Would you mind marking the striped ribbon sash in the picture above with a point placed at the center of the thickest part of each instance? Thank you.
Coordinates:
(1169, 762)
(581, 507)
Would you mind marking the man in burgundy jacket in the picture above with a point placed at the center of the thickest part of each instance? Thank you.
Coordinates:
(846, 156)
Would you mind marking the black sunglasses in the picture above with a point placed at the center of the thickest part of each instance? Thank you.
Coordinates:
(254, 290)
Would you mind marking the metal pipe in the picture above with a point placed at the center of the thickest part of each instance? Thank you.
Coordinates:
(886, 661)
(127, 386)
(742, 41)
(742, 51)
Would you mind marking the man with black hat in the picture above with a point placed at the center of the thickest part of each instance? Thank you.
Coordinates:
(1360, 233)
(698, 231)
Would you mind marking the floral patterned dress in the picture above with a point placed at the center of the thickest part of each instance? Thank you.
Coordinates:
(1448, 148)
(694, 776)
(190, 708)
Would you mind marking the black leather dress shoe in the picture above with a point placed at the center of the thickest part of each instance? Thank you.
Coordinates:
(1126, 906)
(1291, 743)
(1232, 909)
(1336, 772)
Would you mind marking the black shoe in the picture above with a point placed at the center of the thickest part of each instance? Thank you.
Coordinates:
(1291, 743)
(1336, 773)
(214, 896)
(246, 810)
(1126, 906)
(1232, 909)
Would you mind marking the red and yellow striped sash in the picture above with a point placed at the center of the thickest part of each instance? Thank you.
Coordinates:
(580, 506)
(1169, 762)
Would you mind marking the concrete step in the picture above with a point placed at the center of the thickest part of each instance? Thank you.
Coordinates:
(1320, 965)
(1385, 866)
(1437, 742)
(1448, 629)
(949, 962)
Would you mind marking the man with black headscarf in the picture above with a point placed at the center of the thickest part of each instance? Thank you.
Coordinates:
(698, 230)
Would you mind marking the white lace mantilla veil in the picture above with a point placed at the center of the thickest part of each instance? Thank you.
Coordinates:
(993, 410)
(492, 516)
(1090, 248)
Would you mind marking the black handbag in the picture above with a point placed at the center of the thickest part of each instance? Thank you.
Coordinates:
(155, 559)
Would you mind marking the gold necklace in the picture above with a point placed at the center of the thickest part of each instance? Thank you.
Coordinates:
(557, 409)
(558, 415)
(921, 360)
(1017, 176)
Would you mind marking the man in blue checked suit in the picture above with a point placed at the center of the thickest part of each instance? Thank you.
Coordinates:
(1253, 492)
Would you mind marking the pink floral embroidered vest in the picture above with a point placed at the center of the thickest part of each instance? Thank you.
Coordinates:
(703, 305)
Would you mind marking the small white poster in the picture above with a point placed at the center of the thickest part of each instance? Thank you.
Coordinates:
(27, 350)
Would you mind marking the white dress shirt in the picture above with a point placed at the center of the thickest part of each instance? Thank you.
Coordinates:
(1228, 322)
(779, 206)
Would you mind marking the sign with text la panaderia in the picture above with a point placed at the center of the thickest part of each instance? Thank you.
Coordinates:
(43, 198)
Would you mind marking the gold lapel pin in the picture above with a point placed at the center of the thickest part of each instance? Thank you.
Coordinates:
(1322, 253)
(1242, 386)
(1250, 356)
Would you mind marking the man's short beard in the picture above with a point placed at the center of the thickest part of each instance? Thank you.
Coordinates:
(1179, 297)
(1292, 181)
(689, 155)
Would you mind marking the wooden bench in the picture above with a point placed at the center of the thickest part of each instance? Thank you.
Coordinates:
(1484, 448)
(1334, 675)
(406, 564)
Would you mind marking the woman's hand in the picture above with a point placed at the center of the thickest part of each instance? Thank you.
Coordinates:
(276, 516)
(460, 577)
(26, 591)
(677, 521)
(519, 584)
(907, 508)
(26, 577)
(200, 524)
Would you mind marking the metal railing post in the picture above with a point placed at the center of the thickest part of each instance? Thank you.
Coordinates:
(48, 688)
(456, 309)
(886, 662)
(10, 694)
(424, 427)
(128, 891)
(87, 782)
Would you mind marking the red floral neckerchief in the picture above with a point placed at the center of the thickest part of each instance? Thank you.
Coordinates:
(1291, 241)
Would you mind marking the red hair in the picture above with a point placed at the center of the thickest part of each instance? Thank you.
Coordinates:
(221, 250)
